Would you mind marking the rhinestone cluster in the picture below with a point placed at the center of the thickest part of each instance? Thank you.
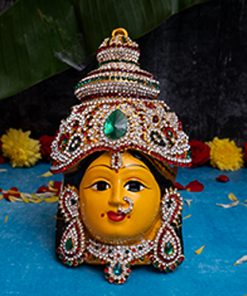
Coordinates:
(132, 84)
(118, 259)
(68, 203)
(171, 205)
(120, 47)
(116, 161)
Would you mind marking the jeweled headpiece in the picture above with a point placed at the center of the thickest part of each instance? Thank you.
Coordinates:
(119, 111)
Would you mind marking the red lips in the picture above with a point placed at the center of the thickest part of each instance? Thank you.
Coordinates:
(116, 217)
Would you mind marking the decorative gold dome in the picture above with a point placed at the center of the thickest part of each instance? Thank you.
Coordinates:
(119, 73)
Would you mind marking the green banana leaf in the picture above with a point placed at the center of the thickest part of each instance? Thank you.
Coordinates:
(41, 38)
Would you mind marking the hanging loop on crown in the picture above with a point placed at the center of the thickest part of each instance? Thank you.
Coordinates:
(119, 31)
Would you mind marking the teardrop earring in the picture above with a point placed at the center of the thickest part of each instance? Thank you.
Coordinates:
(168, 252)
(72, 244)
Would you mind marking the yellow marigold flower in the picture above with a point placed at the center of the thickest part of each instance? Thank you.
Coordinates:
(19, 148)
(225, 155)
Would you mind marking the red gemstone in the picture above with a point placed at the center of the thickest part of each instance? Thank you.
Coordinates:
(155, 119)
(180, 125)
(173, 267)
(150, 105)
(161, 267)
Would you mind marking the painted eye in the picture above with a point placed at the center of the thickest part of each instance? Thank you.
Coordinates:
(134, 186)
(100, 186)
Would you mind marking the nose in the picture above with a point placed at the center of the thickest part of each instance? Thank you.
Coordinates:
(116, 198)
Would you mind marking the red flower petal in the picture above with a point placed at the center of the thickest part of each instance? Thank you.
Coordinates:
(45, 143)
(57, 185)
(6, 196)
(14, 192)
(42, 189)
(223, 178)
(194, 186)
(179, 186)
(200, 153)
(14, 189)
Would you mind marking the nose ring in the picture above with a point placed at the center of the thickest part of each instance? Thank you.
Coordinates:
(129, 209)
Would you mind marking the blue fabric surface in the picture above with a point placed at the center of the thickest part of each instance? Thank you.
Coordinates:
(27, 259)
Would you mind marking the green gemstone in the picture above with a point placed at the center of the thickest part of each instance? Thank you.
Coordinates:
(69, 244)
(117, 269)
(116, 125)
(189, 153)
(168, 248)
(169, 133)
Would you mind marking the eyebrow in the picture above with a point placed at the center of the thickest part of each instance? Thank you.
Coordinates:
(100, 165)
(109, 167)
(131, 165)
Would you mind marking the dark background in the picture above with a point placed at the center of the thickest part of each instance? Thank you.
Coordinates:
(200, 58)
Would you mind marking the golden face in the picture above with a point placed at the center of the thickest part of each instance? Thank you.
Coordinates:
(119, 206)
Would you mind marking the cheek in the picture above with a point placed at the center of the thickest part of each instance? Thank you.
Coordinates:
(147, 207)
(92, 205)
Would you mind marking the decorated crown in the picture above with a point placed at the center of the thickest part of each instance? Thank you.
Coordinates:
(119, 111)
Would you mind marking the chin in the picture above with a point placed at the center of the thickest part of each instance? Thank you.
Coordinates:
(117, 238)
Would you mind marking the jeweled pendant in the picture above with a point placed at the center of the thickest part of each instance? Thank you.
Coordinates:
(117, 273)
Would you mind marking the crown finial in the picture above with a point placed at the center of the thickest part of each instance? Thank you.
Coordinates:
(119, 31)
